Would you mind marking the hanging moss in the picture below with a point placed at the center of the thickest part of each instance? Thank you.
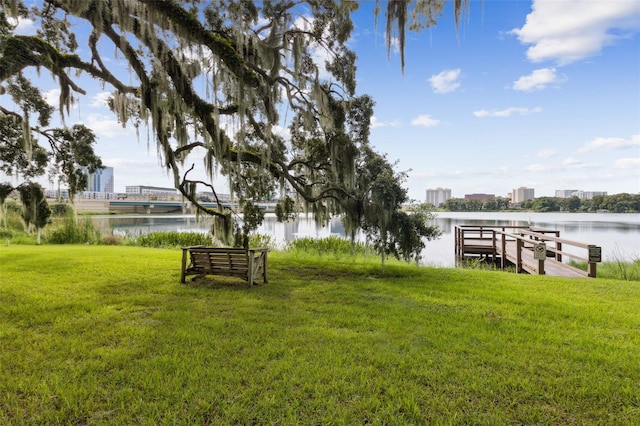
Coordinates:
(35, 211)
(216, 79)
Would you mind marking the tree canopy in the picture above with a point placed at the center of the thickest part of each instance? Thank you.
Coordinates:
(262, 93)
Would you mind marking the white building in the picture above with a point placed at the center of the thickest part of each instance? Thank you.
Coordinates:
(54, 193)
(587, 195)
(522, 194)
(438, 196)
(583, 195)
(140, 189)
(95, 195)
(565, 193)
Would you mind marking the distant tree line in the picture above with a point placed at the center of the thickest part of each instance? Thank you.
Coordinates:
(616, 203)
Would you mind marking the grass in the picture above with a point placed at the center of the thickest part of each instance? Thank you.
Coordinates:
(107, 335)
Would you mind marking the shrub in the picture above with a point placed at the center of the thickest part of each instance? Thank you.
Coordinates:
(13, 216)
(6, 234)
(74, 231)
(263, 240)
(61, 210)
(172, 239)
(111, 240)
(331, 245)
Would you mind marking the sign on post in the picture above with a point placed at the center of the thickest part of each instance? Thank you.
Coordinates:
(595, 254)
(540, 251)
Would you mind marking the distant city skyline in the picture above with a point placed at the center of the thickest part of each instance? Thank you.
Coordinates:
(437, 196)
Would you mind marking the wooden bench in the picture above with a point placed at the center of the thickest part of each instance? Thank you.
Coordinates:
(234, 262)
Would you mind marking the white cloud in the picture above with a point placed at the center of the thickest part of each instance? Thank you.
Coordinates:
(100, 99)
(446, 81)
(610, 144)
(281, 131)
(395, 45)
(508, 112)
(572, 162)
(375, 123)
(627, 163)
(425, 121)
(22, 26)
(537, 80)
(52, 97)
(570, 30)
(546, 153)
(536, 168)
(107, 127)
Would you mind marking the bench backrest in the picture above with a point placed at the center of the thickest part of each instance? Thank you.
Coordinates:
(206, 258)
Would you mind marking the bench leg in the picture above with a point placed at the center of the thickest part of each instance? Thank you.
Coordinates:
(250, 268)
(264, 267)
(184, 266)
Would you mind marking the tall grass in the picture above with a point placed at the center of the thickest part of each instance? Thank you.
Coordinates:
(73, 230)
(618, 269)
(620, 266)
(334, 246)
(171, 239)
(14, 231)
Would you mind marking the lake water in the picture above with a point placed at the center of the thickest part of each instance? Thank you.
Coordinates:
(617, 234)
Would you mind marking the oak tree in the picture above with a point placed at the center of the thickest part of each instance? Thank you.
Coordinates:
(262, 93)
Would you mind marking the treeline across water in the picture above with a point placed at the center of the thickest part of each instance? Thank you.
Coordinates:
(616, 203)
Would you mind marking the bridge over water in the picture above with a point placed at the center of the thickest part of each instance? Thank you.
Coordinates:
(174, 206)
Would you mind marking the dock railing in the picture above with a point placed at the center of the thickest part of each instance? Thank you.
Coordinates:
(480, 239)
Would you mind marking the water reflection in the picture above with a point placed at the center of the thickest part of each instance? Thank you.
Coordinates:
(617, 234)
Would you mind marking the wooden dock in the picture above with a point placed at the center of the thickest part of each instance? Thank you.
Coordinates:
(532, 250)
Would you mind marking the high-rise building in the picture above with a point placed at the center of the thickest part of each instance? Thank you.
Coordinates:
(565, 193)
(522, 194)
(101, 180)
(438, 196)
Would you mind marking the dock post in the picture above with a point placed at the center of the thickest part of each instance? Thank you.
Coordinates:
(541, 267)
(519, 244)
(503, 254)
(495, 245)
(559, 251)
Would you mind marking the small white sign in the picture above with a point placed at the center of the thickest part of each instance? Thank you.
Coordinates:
(540, 251)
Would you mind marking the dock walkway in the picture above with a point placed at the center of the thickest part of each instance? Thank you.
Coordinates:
(532, 250)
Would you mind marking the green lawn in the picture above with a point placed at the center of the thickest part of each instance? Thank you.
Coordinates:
(108, 335)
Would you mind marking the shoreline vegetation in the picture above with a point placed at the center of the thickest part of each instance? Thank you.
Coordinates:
(67, 227)
(97, 334)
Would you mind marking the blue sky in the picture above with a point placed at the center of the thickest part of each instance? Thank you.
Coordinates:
(543, 94)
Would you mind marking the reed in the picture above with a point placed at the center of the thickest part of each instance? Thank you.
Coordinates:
(332, 246)
(73, 230)
(171, 239)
